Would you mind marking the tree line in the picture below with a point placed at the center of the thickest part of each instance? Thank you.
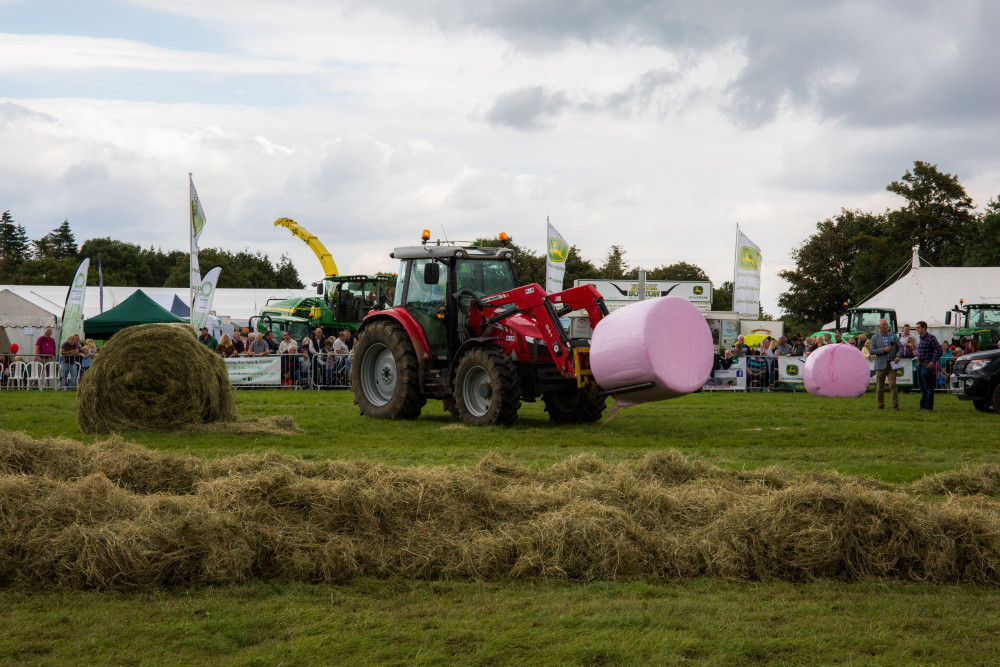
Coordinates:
(855, 254)
(53, 259)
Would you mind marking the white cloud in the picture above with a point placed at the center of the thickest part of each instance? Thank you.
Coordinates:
(656, 126)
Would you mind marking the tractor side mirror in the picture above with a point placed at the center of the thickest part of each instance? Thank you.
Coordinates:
(319, 288)
(947, 318)
(432, 273)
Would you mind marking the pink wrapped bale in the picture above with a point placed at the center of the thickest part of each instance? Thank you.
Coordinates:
(664, 341)
(836, 370)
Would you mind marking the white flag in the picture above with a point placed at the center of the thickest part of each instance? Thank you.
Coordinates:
(746, 283)
(197, 225)
(204, 295)
(72, 318)
(555, 263)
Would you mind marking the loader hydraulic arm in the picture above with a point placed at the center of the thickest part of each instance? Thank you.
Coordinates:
(324, 256)
(532, 302)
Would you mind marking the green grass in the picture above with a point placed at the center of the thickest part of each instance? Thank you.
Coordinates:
(731, 430)
(702, 621)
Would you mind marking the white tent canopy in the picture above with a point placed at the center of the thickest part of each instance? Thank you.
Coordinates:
(927, 292)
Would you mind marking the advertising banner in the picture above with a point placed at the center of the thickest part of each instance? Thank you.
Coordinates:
(790, 370)
(254, 370)
(555, 264)
(904, 375)
(197, 226)
(746, 283)
(732, 379)
(697, 292)
(203, 296)
(72, 318)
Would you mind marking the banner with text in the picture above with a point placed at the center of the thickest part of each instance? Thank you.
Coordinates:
(746, 283)
(197, 226)
(72, 318)
(254, 370)
(733, 378)
(203, 296)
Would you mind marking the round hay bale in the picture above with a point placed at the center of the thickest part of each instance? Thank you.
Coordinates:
(154, 377)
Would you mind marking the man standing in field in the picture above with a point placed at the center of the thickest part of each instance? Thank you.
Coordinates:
(928, 352)
(886, 349)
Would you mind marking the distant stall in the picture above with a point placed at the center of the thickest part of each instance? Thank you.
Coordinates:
(138, 308)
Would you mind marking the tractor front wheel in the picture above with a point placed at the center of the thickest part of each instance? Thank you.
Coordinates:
(486, 388)
(385, 374)
(573, 405)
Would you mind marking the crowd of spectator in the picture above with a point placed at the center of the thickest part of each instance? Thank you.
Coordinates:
(762, 367)
(319, 359)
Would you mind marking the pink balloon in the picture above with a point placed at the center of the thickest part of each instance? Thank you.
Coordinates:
(14, 348)
(665, 341)
(836, 370)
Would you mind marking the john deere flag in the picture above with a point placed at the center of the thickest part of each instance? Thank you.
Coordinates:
(204, 294)
(197, 225)
(555, 264)
(746, 283)
(72, 318)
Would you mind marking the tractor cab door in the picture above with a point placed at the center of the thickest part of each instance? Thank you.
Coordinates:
(427, 304)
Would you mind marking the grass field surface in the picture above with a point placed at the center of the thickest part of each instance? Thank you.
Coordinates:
(397, 620)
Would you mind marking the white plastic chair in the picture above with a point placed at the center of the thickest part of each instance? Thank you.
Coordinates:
(36, 374)
(18, 374)
(52, 374)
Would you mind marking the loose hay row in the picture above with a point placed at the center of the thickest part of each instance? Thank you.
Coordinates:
(116, 515)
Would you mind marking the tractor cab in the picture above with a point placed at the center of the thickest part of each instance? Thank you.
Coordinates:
(436, 285)
(865, 320)
(979, 322)
(351, 298)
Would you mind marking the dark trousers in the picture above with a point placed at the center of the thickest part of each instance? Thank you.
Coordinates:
(927, 381)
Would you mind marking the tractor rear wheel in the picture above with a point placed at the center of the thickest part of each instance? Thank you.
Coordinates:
(487, 390)
(573, 405)
(996, 397)
(385, 375)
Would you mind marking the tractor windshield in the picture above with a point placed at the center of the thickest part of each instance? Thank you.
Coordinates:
(485, 277)
(984, 316)
(867, 320)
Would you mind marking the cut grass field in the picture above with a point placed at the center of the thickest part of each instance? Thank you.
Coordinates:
(700, 620)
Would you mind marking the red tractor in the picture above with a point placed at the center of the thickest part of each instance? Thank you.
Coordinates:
(461, 330)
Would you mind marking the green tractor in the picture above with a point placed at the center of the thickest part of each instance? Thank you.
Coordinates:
(341, 303)
(978, 321)
(863, 321)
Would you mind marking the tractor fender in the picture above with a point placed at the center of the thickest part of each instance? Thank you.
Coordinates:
(413, 330)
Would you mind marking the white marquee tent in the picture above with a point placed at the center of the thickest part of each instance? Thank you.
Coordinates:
(928, 292)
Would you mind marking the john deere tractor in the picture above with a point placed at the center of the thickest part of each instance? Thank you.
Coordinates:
(863, 321)
(341, 301)
(978, 321)
(462, 331)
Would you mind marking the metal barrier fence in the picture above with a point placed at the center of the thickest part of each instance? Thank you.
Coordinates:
(330, 371)
(321, 371)
(290, 371)
(31, 371)
(758, 373)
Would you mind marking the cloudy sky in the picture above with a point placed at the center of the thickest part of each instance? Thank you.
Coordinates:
(650, 124)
